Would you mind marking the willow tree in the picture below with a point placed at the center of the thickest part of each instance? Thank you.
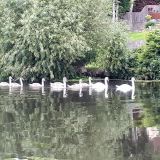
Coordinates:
(47, 37)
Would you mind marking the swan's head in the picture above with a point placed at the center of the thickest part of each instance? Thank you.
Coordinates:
(64, 79)
(106, 79)
(90, 78)
(132, 79)
(80, 81)
(10, 78)
(21, 78)
(43, 79)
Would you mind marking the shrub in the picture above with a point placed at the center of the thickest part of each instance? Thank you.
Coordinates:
(149, 57)
(150, 23)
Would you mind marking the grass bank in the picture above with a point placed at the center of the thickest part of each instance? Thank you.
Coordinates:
(135, 36)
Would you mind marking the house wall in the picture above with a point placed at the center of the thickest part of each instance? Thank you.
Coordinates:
(138, 18)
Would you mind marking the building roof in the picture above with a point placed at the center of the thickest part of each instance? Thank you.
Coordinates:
(140, 4)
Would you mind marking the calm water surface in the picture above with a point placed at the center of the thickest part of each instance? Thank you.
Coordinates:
(48, 125)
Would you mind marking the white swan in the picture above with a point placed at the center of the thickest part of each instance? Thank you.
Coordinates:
(12, 84)
(37, 85)
(76, 86)
(125, 87)
(86, 85)
(5, 84)
(99, 86)
(59, 85)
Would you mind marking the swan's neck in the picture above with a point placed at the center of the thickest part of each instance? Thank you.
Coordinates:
(133, 85)
(90, 83)
(21, 82)
(10, 81)
(80, 84)
(42, 83)
(106, 83)
(64, 84)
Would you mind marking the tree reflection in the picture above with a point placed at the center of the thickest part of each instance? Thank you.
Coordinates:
(147, 99)
(86, 128)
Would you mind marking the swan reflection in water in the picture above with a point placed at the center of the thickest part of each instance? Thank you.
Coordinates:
(14, 90)
(65, 93)
(90, 91)
(105, 91)
(133, 94)
(80, 92)
(64, 90)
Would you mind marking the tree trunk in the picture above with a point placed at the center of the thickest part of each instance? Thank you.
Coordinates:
(117, 11)
(130, 15)
(113, 11)
(115, 8)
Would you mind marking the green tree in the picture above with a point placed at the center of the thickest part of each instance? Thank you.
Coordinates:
(112, 50)
(46, 38)
(149, 57)
(124, 6)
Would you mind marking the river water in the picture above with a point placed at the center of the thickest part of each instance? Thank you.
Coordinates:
(89, 125)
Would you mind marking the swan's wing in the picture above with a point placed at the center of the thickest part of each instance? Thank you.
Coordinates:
(85, 85)
(124, 88)
(74, 87)
(98, 85)
(15, 85)
(35, 85)
(4, 84)
(56, 84)
(55, 89)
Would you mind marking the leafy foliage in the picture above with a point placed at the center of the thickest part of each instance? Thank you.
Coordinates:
(51, 38)
(46, 38)
(149, 24)
(124, 6)
(112, 51)
(149, 57)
